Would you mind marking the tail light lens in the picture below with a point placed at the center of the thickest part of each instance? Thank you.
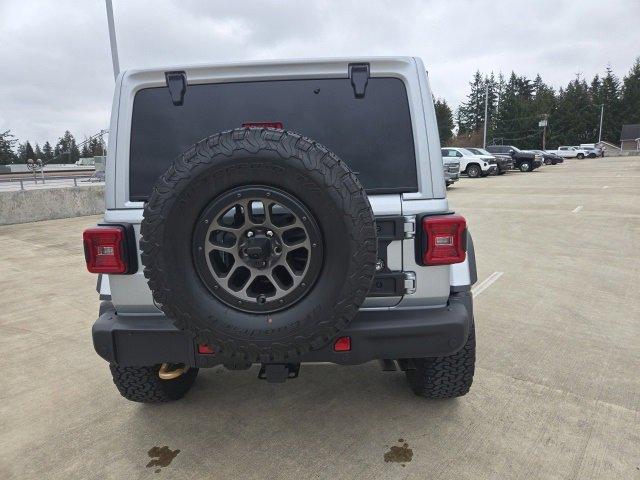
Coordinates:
(342, 344)
(444, 239)
(105, 249)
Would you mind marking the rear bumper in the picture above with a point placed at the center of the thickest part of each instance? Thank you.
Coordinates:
(375, 334)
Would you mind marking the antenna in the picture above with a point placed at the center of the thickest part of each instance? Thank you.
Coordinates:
(112, 39)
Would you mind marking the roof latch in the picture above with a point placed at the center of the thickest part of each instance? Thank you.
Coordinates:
(359, 76)
(177, 83)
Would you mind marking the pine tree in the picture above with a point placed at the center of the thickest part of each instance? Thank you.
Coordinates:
(471, 118)
(7, 141)
(38, 152)
(507, 113)
(444, 116)
(609, 95)
(96, 147)
(492, 102)
(25, 152)
(47, 152)
(66, 150)
(85, 150)
(570, 124)
(631, 96)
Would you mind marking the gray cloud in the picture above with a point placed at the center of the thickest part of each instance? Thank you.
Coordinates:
(56, 68)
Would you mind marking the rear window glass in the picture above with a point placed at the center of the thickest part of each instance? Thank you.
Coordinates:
(372, 135)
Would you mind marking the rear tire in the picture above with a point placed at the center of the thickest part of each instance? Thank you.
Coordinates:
(473, 170)
(142, 384)
(445, 377)
(525, 167)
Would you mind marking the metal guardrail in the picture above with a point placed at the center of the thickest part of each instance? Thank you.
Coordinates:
(54, 181)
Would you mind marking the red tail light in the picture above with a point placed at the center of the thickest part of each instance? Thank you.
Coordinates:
(444, 239)
(204, 349)
(105, 249)
(342, 344)
(264, 124)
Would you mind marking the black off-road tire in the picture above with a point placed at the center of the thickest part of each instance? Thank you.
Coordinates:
(272, 158)
(445, 377)
(474, 170)
(142, 384)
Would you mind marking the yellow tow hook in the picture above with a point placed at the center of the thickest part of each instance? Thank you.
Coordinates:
(166, 372)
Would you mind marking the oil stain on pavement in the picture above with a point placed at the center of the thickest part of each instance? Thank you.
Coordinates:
(161, 457)
(399, 454)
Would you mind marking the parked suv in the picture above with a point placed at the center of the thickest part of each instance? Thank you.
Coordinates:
(548, 158)
(276, 213)
(524, 161)
(451, 170)
(504, 163)
(471, 164)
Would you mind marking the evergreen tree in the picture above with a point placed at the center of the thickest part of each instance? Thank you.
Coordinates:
(570, 124)
(47, 152)
(609, 95)
(631, 96)
(38, 152)
(471, 112)
(507, 113)
(444, 116)
(66, 150)
(96, 147)
(7, 141)
(25, 152)
(85, 150)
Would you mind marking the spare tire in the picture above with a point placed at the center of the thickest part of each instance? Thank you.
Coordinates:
(260, 242)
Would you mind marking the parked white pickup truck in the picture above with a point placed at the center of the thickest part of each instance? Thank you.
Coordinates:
(570, 152)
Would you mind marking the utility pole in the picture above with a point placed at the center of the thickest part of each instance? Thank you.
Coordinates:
(112, 39)
(544, 131)
(601, 115)
(486, 113)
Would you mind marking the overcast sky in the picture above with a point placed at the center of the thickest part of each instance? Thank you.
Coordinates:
(56, 66)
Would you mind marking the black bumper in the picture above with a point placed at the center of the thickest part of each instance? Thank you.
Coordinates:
(380, 334)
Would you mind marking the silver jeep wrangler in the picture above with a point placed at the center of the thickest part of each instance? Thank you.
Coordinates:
(275, 213)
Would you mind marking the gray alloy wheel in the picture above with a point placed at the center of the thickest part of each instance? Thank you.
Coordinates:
(473, 170)
(580, 156)
(525, 166)
(257, 249)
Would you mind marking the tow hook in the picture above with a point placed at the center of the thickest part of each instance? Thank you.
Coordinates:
(169, 371)
(278, 372)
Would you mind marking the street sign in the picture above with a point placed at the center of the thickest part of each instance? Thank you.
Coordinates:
(543, 123)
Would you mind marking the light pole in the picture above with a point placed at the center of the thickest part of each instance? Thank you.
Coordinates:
(112, 39)
(486, 114)
(601, 115)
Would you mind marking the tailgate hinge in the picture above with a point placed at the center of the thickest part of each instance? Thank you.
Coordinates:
(409, 283)
(177, 83)
(359, 76)
(409, 226)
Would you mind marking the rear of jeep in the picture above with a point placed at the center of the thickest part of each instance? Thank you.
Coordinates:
(279, 213)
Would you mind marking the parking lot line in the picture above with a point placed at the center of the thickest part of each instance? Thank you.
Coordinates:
(577, 209)
(486, 283)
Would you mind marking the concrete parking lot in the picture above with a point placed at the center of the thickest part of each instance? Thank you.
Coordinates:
(556, 392)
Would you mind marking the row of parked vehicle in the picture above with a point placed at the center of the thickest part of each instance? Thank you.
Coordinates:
(498, 159)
